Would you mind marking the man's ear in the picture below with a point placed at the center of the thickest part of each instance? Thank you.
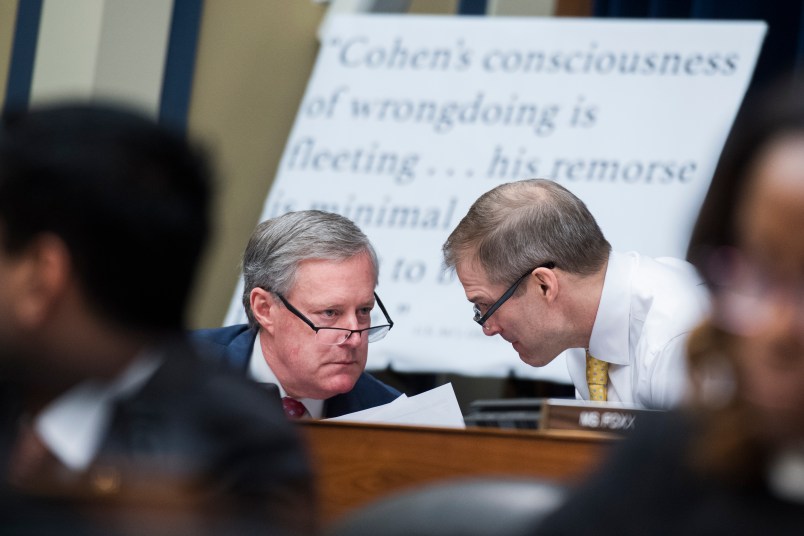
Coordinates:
(263, 307)
(547, 281)
(41, 279)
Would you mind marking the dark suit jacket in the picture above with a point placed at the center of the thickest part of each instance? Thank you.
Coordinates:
(232, 347)
(649, 486)
(196, 450)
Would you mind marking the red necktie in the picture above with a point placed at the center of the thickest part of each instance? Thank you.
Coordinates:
(293, 408)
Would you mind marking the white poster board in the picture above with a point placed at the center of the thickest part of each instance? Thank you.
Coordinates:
(406, 120)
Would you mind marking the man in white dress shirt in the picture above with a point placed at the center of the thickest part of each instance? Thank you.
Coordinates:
(539, 272)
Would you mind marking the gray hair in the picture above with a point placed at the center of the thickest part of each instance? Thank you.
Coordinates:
(520, 225)
(277, 247)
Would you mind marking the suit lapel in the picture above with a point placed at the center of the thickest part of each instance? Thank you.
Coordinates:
(238, 352)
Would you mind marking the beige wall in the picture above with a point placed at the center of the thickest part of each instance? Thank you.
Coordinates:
(8, 17)
(541, 8)
(434, 6)
(254, 58)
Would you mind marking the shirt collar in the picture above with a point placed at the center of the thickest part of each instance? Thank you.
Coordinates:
(259, 371)
(74, 424)
(786, 473)
(609, 339)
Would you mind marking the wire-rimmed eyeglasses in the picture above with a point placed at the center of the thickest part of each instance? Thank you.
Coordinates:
(481, 317)
(334, 336)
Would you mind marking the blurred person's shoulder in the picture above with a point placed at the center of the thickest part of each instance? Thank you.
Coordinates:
(221, 336)
(632, 491)
(188, 373)
(229, 347)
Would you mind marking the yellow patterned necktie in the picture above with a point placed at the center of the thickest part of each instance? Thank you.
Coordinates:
(597, 376)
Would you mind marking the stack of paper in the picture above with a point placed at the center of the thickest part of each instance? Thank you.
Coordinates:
(436, 407)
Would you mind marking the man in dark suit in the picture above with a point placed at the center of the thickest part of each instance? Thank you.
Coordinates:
(309, 280)
(109, 421)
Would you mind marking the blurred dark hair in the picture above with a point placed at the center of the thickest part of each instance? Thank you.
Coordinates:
(764, 117)
(128, 197)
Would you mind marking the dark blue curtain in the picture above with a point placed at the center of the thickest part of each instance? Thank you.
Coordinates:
(472, 7)
(23, 52)
(177, 83)
(783, 50)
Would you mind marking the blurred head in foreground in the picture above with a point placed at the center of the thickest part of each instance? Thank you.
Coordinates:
(106, 411)
(103, 217)
(748, 361)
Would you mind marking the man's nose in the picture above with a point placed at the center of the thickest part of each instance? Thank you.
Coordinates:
(355, 338)
(490, 328)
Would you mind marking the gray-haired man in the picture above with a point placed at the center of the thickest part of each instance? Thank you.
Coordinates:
(540, 273)
(309, 280)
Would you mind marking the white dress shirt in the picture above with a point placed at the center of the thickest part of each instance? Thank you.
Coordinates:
(647, 309)
(73, 425)
(786, 473)
(259, 371)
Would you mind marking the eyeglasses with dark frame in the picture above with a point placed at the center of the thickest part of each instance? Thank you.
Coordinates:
(481, 318)
(335, 336)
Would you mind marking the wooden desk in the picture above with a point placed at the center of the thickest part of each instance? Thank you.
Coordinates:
(357, 463)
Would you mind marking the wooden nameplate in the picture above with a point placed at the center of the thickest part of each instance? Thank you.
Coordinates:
(610, 417)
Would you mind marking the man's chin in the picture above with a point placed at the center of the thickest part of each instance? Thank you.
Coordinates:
(535, 360)
(341, 384)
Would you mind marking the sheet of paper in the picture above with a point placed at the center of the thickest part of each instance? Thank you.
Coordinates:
(436, 407)
(370, 414)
